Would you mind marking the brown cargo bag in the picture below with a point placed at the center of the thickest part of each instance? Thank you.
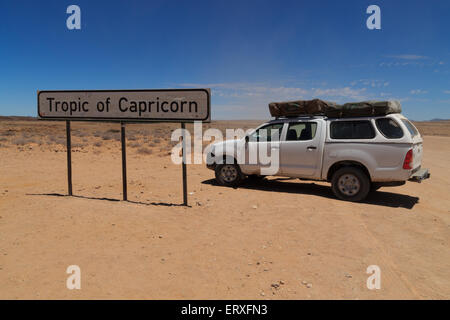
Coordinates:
(364, 109)
(299, 107)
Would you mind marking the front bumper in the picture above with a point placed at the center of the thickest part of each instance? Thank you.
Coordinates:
(210, 161)
(420, 175)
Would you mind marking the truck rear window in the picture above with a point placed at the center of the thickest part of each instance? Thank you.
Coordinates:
(352, 130)
(410, 128)
(389, 128)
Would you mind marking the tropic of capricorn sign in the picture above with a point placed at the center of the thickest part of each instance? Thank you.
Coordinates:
(168, 105)
(174, 105)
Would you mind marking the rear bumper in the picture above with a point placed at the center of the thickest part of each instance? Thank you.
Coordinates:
(420, 175)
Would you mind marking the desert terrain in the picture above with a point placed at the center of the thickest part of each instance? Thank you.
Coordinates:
(277, 239)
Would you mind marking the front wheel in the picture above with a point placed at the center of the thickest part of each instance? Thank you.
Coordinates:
(350, 183)
(228, 175)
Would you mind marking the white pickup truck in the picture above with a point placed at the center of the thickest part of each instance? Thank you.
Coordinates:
(356, 155)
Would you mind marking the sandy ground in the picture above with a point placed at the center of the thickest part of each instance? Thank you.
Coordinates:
(281, 239)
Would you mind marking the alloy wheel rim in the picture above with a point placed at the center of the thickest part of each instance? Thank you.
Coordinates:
(228, 173)
(349, 184)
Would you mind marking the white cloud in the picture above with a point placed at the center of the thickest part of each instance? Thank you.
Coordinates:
(264, 93)
(407, 57)
(447, 91)
(374, 83)
(249, 100)
(401, 64)
(341, 93)
(418, 91)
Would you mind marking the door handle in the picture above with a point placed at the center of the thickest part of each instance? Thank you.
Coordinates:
(311, 148)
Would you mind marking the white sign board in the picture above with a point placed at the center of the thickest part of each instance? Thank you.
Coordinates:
(172, 105)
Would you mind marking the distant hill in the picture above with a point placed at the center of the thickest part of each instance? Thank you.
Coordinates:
(27, 118)
(17, 118)
(438, 119)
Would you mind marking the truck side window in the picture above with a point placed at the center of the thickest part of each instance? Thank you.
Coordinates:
(266, 133)
(389, 128)
(301, 131)
(357, 129)
(412, 130)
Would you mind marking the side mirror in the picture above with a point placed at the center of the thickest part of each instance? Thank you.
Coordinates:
(247, 138)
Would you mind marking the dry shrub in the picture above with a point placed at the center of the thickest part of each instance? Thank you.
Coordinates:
(106, 137)
(81, 134)
(19, 141)
(144, 150)
(164, 150)
(78, 145)
(135, 144)
(98, 144)
(113, 131)
(57, 140)
(3, 139)
(8, 133)
(158, 133)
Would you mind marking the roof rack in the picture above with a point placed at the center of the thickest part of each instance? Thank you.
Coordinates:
(301, 116)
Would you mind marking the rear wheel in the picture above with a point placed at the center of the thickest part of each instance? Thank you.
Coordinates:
(228, 174)
(350, 183)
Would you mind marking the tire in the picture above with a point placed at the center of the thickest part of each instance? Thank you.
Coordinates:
(228, 175)
(350, 184)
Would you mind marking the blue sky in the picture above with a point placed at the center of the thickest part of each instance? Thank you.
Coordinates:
(248, 52)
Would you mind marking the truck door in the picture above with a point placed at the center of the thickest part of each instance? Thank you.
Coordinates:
(262, 143)
(301, 149)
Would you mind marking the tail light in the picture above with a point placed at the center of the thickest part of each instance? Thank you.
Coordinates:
(407, 164)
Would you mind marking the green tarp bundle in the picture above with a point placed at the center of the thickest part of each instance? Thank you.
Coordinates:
(333, 110)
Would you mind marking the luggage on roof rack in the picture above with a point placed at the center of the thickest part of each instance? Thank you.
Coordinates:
(299, 107)
(333, 110)
(364, 109)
